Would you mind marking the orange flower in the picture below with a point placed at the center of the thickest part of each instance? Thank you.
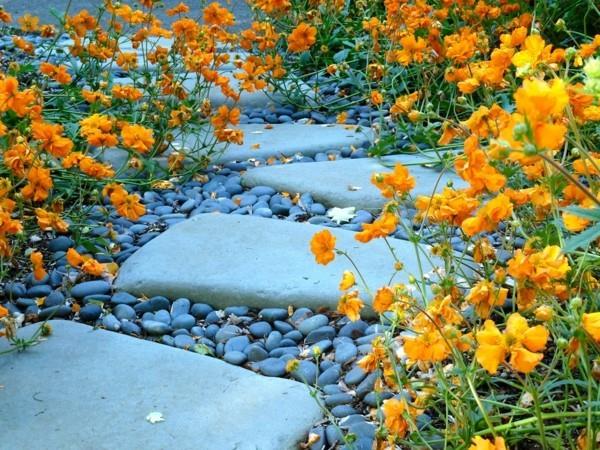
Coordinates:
(404, 104)
(215, 14)
(591, 324)
(485, 295)
(29, 23)
(250, 79)
(226, 116)
(350, 305)
(127, 60)
(181, 8)
(534, 51)
(488, 217)
(58, 73)
(539, 100)
(521, 342)
(382, 227)
(50, 221)
(383, 299)
(449, 206)
(37, 261)
(480, 443)
(322, 245)
(50, 137)
(127, 205)
(394, 411)
(137, 137)
(398, 182)
(39, 184)
(302, 38)
(376, 98)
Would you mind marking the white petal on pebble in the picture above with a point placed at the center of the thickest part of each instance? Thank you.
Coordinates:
(340, 215)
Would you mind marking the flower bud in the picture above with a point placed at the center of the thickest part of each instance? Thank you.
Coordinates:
(576, 302)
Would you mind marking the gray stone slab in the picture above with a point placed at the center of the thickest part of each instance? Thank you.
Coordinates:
(347, 182)
(227, 260)
(285, 139)
(92, 389)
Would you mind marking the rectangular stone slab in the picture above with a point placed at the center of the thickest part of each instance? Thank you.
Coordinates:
(227, 260)
(92, 389)
(284, 139)
(347, 182)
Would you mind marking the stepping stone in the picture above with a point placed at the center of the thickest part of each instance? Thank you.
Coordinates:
(286, 139)
(347, 182)
(86, 388)
(227, 260)
(258, 99)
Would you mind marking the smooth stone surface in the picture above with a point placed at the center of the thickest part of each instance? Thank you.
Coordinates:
(238, 409)
(240, 270)
(347, 182)
(259, 142)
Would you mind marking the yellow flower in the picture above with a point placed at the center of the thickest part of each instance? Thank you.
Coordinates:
(480, 443)
(539, 100)
(350, 305)
(591, 324)
(485, 295)
(322, 245)
(348, 280)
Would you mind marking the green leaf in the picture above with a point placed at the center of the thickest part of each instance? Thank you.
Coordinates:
(583, 239)
(341, 55)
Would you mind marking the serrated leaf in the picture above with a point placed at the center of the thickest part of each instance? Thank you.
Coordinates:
(583, 239)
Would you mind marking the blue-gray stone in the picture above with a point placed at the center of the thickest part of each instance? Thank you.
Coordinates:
(212, 317)
(280, 351)
(287, 342)
(294, 335)
(343, 411)
(331, 389)
(236, 310)
(211, 331)
(262, 190)
(237, 343)
(263, 212)
(375, 329)
(235, 357)
(312, 323)
(367, 384)
(131, 328)
(317, 209)
(355, 376)
(197, 331)
(226, 333)
(330, 376)
(24, 302)
(179, 307)
(256, 353)
(55, 298)
(345, 352)
(180, 331)
(90, 288)
(306, 372)
(273, 340)
(375, 398)
(320, 347)
(14, 290)
(123, 311)
(299, 315)
(162, 316)
(338, 399)
(157, 303)
(168, 340)
(353, 329)
(334, 435)
(184, 341)
(272, 367)
(321, 333)
(155, 328)
(282, 327)
(366, 339)
(110, 322)
(186, 321)
(54, 312)
(200, 310)
(90, 313)
(61, 243)
(260, 329)
(42, 290)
